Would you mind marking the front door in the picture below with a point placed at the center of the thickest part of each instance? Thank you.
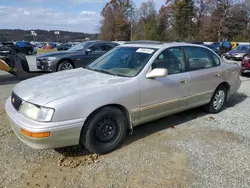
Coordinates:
(167, 95)
(204, 68)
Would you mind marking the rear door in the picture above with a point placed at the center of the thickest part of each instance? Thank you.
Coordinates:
(204, 68)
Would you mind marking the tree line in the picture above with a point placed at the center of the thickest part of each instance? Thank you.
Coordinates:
(183, 20)
(43, 35)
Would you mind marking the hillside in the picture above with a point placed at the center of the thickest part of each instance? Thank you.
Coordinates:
(43, 35)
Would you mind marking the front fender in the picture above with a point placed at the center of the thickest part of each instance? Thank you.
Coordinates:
(82, 104)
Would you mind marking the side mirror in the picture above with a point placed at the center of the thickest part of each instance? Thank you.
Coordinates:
(88, 51)
(157, 72)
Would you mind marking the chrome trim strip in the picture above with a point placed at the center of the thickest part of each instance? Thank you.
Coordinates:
(168, 102)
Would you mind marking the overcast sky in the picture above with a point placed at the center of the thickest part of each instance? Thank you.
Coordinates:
(70, 15)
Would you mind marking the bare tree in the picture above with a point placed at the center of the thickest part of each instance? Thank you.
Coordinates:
(116, 20)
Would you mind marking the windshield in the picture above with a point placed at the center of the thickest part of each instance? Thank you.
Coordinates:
(123, 61)
(78, 47)
(242, 47)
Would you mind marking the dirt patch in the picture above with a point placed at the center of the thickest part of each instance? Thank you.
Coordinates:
(80, 156)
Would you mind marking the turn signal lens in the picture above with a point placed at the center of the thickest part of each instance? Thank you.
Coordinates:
(35, 135)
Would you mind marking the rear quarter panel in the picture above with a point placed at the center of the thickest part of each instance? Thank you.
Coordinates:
(231, 75)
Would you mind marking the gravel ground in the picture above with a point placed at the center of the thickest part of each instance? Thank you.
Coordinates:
(189, 149)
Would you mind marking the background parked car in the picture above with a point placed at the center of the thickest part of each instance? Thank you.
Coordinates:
(201, 43)
(49, 45)
(238, 53)
(225, 47)
(245, 66)
(64, 46)
(6, 50)
(24, 47)
(77, 56)
(214, 48)
(10, 45)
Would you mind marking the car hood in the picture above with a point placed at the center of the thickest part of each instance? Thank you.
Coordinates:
(44, 89)
(237, 51)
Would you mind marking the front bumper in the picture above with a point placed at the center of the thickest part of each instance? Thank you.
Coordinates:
(47, 66)
(234, 57)
(65, 133)
(245, 70)
(245, 66)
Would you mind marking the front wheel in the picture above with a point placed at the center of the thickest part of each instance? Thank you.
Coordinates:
(218, 100)
(105, 130)
(65, 65)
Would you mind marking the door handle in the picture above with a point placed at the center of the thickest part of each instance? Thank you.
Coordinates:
(217, 74)
(184, 81)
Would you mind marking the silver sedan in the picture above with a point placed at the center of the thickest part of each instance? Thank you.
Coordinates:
(132, 84)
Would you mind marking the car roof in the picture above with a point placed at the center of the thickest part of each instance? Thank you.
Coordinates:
(160, 45)
(97, 41)
(245, 45)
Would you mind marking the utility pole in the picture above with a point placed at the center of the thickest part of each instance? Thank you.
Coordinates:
(57, 33)
(131, 31)
(131, 24)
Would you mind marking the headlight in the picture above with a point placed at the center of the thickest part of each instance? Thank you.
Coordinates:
(37, 113)
(246, 58)
(51, 58)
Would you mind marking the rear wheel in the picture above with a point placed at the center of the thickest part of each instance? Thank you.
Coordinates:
(218, 100)
(105, 130)
(65, 65)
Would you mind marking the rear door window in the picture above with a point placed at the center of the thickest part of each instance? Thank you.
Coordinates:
(198, 58)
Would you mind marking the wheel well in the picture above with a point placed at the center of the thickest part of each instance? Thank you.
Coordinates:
(120, 107)
(225, 84)
(65, 59)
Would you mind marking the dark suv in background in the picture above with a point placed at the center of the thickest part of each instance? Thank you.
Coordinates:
(24, 47)
(79, 55)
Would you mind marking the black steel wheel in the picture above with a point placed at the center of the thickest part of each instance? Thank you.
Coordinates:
(105, 130)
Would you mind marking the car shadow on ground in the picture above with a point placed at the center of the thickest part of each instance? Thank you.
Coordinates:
(147, 129)
(8, 79)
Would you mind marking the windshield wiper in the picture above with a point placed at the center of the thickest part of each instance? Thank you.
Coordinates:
(102, 70)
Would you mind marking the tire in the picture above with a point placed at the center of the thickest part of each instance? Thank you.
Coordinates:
(106, 119)
(213, 106)
(243, 74)
(65, 65)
